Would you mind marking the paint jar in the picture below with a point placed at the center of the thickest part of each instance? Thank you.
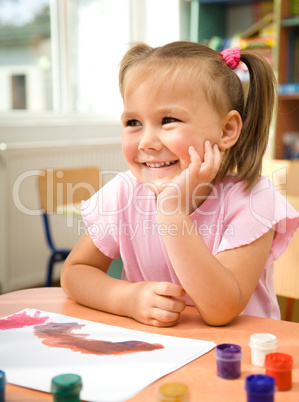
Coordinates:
(228, 357)
(260, 388)
(173, 392)
(2, 386)
(66, 387)
(261, 344)
(279, 366)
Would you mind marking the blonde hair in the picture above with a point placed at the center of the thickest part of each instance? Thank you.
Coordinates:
(222, 88)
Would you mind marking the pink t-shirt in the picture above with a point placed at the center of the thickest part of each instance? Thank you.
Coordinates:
(121, 219)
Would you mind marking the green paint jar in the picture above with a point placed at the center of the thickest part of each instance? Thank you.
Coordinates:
(66, 388)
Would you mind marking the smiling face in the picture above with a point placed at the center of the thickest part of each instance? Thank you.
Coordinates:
(161, 120)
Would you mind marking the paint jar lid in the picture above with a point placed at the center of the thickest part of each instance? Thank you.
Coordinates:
(173, 392)
(263, 341)
(228, 352)
(260, 384)
(278, 362)
(2, 380)
(66, 384)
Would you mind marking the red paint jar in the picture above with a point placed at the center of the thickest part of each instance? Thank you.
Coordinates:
(279, 366)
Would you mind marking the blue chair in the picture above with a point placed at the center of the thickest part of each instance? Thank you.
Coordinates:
(61, 191)
(57, 254)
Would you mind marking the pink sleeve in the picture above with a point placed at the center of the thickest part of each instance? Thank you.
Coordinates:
(249, 214)
(102, 214)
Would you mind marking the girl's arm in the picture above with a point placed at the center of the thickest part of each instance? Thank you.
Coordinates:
(220, 286)
(84, 278)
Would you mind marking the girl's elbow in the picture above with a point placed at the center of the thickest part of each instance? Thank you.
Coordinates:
(218, 322)
(217, 319)
(64, 276)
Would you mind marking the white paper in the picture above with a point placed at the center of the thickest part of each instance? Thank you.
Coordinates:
(106, 378)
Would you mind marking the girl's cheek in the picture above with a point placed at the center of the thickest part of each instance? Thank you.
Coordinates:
(185, 160)
(199, 148)
(127, 151)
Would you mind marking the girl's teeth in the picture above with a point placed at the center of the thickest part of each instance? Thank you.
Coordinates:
(156, 165)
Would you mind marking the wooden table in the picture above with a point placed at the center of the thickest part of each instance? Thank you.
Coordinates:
(199, 375)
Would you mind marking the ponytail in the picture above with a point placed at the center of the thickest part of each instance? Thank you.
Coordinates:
(246, 156)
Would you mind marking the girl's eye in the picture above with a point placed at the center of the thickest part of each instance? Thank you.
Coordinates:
(133, 123)
(168, 120)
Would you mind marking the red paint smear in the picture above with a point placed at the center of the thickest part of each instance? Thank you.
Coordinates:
(60, 335)
(21, 320)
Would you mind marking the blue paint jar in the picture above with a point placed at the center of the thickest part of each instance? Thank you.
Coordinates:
(260, 388)
(2, 386)
(228, 357)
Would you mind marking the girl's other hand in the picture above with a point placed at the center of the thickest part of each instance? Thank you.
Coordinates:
(156, 303)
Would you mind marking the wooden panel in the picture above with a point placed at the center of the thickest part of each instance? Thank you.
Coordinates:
(67, 186)
(285, 175)
(286, 273)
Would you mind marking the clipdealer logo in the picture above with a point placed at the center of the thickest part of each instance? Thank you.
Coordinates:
(136, 195)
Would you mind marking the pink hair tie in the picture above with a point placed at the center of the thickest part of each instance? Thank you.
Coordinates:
(232, 57)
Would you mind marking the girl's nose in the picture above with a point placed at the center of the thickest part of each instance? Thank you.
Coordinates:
(150, 141)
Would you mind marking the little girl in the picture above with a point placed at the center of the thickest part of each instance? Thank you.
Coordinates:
(193, 220)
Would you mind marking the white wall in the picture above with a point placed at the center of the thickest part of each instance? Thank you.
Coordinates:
(23, 249)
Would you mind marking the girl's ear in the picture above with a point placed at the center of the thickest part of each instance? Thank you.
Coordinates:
(231, 129)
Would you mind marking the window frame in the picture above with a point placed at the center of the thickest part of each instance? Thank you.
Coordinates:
(63, 112)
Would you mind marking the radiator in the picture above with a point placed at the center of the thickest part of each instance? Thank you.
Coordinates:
(23, 249)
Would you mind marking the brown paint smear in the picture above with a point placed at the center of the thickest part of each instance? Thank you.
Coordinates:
(60, 335)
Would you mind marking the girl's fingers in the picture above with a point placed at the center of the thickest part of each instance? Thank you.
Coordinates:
(194, 156)
(209, 154)
(168, 289)
(165, 318)
(156, 323)
(212, 157)
(217, 157)
(170, 304)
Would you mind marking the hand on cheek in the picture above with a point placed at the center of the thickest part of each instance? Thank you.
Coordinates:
(205, 169)
(193, 180)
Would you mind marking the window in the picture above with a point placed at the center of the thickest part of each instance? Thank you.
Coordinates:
(100, 36)
(62, 56)
(18, 91)
(25, 55)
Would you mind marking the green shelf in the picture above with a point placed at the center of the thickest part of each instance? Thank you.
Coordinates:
(290, 22)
